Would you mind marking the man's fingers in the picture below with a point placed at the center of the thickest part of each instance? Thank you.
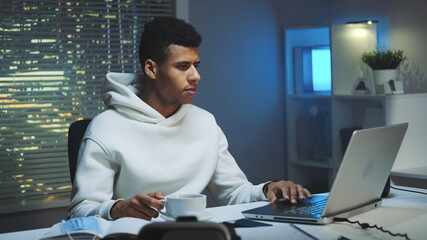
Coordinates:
(150, 201)
(287, 190)
(301, 193)
(271, 195)
(157, 195)
(307, 193)
(294, 194)
(139, 213)
(149, 211)
(144, 206)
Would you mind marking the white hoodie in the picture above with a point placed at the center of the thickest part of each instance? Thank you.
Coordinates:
(131, 148)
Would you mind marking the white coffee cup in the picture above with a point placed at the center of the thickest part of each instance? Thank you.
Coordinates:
(184, 205)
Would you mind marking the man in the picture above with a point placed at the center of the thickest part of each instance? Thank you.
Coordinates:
(152, 142)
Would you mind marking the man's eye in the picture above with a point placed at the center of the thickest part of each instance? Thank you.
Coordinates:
(183, 66)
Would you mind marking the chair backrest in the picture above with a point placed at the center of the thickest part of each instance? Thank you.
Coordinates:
(75, 135)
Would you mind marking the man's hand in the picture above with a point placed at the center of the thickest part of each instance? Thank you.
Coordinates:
(287, 190)
(143, 206)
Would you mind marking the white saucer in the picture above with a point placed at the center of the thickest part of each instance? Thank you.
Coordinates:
(203, 217)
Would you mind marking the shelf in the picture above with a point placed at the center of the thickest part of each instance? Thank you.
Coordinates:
(363, 97)
(326, 95)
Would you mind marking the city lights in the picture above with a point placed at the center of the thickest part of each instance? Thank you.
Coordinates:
(54, 56)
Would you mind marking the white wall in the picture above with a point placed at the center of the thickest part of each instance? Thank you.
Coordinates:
(241, 84)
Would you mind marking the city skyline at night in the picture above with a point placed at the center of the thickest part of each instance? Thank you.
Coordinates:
(54, 57)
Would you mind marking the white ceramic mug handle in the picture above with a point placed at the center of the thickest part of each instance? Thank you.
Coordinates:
(163, 211)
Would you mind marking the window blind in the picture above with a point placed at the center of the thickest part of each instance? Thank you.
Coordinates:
(54, 57)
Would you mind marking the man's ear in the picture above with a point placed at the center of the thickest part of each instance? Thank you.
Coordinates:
(150, 68)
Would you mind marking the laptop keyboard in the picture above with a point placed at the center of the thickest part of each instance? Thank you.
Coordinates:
(312, 209)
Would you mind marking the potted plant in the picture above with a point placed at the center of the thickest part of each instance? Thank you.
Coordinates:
(384, 63)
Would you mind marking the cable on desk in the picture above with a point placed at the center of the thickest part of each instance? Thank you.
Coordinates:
(406, 190)
(366, 225)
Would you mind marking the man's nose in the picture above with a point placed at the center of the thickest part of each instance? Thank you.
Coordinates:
(194, 75)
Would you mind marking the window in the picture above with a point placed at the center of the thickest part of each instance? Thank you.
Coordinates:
(54, 57)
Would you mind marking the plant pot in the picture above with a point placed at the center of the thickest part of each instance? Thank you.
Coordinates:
(387, 82)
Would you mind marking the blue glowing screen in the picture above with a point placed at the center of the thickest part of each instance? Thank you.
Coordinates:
(321, 64)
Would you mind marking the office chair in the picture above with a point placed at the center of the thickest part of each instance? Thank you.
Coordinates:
(75, 135)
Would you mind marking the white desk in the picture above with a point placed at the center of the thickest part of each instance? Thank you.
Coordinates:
(401, 212)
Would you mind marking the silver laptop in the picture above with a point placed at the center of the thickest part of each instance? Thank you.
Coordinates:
(357, 187)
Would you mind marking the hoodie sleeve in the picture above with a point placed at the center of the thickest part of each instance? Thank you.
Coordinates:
(93, 186)
(229, 184)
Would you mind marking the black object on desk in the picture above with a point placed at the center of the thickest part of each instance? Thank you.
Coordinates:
(244, 222)
(189, 229)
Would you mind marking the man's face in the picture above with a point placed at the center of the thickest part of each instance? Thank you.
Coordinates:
(177, 78)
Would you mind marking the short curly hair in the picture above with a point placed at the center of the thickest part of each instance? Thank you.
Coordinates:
(160, 33)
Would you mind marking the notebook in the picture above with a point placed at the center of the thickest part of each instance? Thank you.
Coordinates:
(357, 187)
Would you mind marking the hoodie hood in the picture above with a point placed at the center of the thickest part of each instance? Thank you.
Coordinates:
(120, 92)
